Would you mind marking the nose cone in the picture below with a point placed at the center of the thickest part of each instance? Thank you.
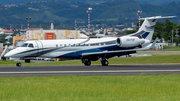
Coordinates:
(11, 53)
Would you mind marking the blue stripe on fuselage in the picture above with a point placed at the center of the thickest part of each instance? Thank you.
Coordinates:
(77, 54)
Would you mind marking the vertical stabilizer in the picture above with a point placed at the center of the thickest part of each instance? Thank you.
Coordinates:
(147, 28)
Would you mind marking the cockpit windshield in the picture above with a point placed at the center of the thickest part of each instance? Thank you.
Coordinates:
(25, 45)
(31, 45)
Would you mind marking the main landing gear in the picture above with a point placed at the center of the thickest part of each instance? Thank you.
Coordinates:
(18, 64)
(104, 62)
(86, 62)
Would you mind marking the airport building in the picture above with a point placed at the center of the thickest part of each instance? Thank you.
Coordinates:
(40, 34)
(52, 34)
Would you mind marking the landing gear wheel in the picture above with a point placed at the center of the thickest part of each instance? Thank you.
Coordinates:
(104, 63)
(87, 63)
(18, 64)
(127, 55)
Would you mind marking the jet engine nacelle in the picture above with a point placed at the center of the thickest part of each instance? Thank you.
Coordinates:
(130, 42)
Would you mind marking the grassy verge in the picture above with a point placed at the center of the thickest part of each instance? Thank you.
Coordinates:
(118, 61)
(91, 88)
(178, 49)
(170, 47)
(8, 63)
(115, 61)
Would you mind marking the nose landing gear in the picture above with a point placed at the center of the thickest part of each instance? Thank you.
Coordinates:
(18, 64)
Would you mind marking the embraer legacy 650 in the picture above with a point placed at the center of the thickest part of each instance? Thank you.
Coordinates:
(90, 49)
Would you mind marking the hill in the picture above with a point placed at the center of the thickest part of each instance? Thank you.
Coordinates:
(65, 12)
(17, 1)
(156, 2)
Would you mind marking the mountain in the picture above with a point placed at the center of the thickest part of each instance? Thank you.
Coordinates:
(17, 1)
(156, 2)
(66, 12)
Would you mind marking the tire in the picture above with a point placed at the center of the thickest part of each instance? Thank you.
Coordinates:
(87, 63)
(104, 63)
(18, 64)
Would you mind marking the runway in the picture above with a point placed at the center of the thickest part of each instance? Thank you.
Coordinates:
(28, 71)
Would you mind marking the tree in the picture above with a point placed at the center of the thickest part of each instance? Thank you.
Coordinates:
(130, 32)
(155, 35)
(1, 41)
(167, 29)
(177, 41)
(158, 30)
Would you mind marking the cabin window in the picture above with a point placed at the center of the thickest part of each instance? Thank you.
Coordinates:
(56, 45)
(72, 45)
(25, 45)
(31, 45)
(82, 44)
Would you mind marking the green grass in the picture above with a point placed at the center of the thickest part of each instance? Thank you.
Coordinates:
(91, 88)
(131, 60)
(115, 61)
(172, 49)
(9, 63)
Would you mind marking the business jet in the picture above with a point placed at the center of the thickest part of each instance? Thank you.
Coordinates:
(90, 49)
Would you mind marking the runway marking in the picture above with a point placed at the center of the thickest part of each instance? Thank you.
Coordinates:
(114, 71)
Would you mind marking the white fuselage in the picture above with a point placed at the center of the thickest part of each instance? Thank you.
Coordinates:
(67, 48)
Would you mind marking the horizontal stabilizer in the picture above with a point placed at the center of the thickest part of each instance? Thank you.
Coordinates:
(157, 17)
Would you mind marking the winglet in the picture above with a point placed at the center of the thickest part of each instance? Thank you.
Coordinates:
(153, 44)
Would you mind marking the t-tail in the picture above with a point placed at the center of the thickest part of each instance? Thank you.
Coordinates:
(147, 28)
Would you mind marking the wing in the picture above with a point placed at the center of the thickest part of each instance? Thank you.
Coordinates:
(109, 54)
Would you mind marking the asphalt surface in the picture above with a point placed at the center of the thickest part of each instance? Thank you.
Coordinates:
(28, 71)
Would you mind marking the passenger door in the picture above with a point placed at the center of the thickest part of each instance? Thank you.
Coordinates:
(39, 47)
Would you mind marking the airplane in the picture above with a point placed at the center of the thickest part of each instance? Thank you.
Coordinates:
(90, 49)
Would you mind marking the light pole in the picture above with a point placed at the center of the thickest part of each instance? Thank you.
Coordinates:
(10, 27)
(88, 11)
(75, 26)
(139, 13)
(176, 33)
(172, 36)
(21, 27)
(28, 18)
